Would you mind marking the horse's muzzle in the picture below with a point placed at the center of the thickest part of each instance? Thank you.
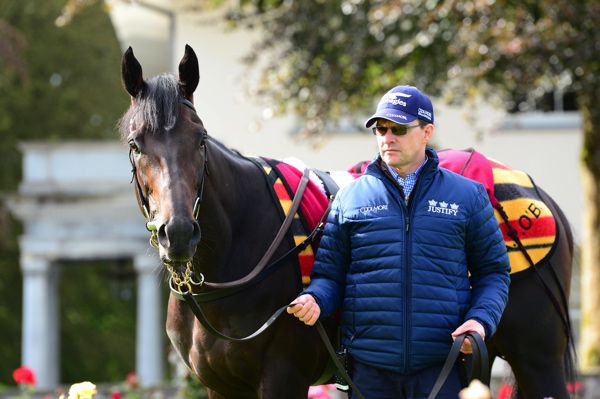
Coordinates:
(178, 239)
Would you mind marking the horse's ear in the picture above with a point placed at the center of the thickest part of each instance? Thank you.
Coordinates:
(189, 74)
(131, 73)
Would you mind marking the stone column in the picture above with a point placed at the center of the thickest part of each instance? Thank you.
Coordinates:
(40, 341)
(150, 326)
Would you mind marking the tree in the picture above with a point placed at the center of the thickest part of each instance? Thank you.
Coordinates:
(55, 83)
(332, 58)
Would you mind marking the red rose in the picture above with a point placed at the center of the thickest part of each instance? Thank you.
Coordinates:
(24, 375)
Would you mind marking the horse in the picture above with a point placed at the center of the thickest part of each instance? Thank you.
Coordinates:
(534, 334)
(211, 217)
(205, 206)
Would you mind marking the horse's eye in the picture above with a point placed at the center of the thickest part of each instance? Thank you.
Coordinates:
(133, 146)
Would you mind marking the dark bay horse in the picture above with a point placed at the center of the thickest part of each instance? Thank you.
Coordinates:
(534, 335)
(211, 208)
(213, 217)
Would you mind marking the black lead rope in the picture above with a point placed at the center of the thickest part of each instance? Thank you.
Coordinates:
(320, 329)
(338, 365)
(206, 324)
(481, 370)
(215, 294)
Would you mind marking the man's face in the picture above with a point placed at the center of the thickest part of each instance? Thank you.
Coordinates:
(404, 152)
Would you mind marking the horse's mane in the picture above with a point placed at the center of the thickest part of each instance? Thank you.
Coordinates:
(223, 147)
(156, 106)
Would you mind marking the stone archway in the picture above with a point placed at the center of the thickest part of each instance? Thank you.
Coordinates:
(76, 203)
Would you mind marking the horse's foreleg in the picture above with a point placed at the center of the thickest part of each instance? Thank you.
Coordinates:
(540, 377)
(283, 381)
(214, 394)
(292, 361)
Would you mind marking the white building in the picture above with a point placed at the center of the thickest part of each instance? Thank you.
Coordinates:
(78, 213)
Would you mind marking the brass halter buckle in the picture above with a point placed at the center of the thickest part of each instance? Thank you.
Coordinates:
(183, 285)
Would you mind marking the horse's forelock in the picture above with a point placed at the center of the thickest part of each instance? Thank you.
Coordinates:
(156, 106)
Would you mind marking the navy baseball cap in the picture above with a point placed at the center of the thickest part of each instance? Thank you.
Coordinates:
(403, 104)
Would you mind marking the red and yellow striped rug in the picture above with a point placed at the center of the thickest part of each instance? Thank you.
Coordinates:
(514, 192)
(284, 180)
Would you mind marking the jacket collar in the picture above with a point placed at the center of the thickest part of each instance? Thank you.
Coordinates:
(374, 168)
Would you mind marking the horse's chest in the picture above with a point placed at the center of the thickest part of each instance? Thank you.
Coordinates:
(219, 361)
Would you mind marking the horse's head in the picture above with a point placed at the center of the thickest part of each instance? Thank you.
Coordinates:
(168, 154)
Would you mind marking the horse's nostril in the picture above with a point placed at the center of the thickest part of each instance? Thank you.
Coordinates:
(163, 239)
(179, 236)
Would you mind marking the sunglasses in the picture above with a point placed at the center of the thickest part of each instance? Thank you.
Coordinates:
(400, 130)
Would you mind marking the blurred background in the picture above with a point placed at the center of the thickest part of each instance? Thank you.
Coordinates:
(80, 295)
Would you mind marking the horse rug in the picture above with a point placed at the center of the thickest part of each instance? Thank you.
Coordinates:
(284, 180)
(517, 203)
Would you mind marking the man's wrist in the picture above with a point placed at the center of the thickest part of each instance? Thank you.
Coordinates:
(483, 324)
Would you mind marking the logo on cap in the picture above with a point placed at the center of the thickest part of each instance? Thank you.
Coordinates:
(424, 113)
(392, 98)
(403, 104)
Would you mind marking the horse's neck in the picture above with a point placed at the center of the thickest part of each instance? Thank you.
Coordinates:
(237, 210)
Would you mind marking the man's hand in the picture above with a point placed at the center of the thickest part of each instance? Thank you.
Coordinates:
(467, 326)
(305, 308)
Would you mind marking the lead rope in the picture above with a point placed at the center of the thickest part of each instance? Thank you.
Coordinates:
(184, 286)
(338, 365)
(274, 244)
(209, 296)
(481, 369)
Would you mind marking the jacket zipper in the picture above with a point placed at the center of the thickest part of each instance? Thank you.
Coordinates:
(408, 275)
(404, 206)
(408, 213)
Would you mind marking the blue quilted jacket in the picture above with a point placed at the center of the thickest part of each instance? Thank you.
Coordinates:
(405, 276)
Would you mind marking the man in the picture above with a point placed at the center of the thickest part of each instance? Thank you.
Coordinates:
(412, 255)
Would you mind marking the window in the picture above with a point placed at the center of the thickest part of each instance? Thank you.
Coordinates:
(550, 101)
(553, 110)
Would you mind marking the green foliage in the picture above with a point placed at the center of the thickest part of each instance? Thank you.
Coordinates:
(192, 389)
(10, 298)
(55, 83)
(97, 309)
(67, 85)
(332, 58)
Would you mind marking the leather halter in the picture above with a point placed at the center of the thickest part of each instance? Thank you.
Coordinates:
(141, 198)
(260, 270)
